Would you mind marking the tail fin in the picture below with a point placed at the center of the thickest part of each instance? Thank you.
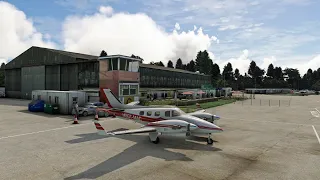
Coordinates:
(111, 99)
(100, 129)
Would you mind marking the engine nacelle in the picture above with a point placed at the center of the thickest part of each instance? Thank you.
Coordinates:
(172, 126)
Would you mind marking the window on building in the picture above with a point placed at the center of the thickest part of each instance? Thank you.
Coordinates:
(123, 64)
(149, 113)
(157, 113)
(134, 66)
(49, 99)
(115, 64)
(141, 113)
(56, 100)
(124, 90)
(167, 113)
(39, 97)
(133, 89)
(109, 61)
(32, 97)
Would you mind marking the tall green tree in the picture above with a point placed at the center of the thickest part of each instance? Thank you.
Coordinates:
(293, 77)
(192, 66)
(278, 73)
(228, 72)
(170, 64)
(270, 71)
(179, 64)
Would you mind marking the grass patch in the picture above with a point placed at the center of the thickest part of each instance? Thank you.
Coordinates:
(193, 108)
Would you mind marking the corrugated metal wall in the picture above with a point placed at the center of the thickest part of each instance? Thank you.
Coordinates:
(13, 83)
(88, 74)
(53, 77)
(32, 78)
(69, 77)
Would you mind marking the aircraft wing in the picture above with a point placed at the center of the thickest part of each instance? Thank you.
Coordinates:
(133, 131)
(133, 103)
(200, 111)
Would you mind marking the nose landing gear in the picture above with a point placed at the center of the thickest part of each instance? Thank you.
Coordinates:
(209, 140)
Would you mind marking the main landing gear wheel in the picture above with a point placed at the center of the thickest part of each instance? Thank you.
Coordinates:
(156, 141)
(209, 141)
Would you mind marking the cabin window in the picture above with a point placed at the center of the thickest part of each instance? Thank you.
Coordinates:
(149, 113)
(167, 113)
(141, 113)
(157, 113)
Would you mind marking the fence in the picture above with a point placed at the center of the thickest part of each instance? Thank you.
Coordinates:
(265, 102)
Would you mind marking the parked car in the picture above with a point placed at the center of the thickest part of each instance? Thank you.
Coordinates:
(89, 108)
(36, 106)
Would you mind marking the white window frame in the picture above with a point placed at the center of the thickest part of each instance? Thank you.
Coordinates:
(129, 84)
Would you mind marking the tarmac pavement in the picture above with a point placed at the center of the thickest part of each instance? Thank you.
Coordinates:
(258, 142)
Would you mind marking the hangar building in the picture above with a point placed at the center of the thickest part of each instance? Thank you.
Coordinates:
(40, 68)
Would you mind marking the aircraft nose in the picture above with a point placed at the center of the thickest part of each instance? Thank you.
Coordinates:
(218, 128)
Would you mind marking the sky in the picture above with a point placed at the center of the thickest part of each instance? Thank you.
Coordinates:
(283, 32)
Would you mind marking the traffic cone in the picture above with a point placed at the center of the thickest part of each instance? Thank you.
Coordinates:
(75, 121)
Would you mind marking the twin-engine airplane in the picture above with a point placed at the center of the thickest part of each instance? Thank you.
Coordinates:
(159, 120)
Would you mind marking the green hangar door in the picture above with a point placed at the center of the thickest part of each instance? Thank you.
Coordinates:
(32, 78)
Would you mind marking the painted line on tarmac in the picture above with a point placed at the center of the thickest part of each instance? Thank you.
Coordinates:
(314, 129)
(267, 121)
(48, 130)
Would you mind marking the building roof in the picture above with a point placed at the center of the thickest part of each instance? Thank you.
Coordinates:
(72, 54)
(168, 69)
(119, 56)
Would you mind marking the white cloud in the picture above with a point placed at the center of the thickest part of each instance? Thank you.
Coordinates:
(107, 10)
(177, 26)
(17, 32)
(127, 34)
(242, 62)
(267, 61)
(303, 66)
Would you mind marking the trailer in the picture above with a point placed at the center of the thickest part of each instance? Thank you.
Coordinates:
(64, 99)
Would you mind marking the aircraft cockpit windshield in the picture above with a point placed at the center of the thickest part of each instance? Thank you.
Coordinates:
(177, 112)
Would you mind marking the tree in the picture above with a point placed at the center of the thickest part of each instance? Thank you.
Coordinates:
(252, 69)
(159, 64)
(137, 57)
(103, 54)
(237, 76)
(278, 73)
(270, 71)
(316, 86)
(228, 72)
(170, 64)
(203, 62)
(198, 61)
(192, 66)
(179, 64)
(293, 77)
(215, 71)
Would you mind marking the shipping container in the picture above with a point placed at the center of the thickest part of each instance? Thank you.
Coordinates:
(64, 99)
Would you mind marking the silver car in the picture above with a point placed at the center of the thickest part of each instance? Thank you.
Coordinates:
(89, 108)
